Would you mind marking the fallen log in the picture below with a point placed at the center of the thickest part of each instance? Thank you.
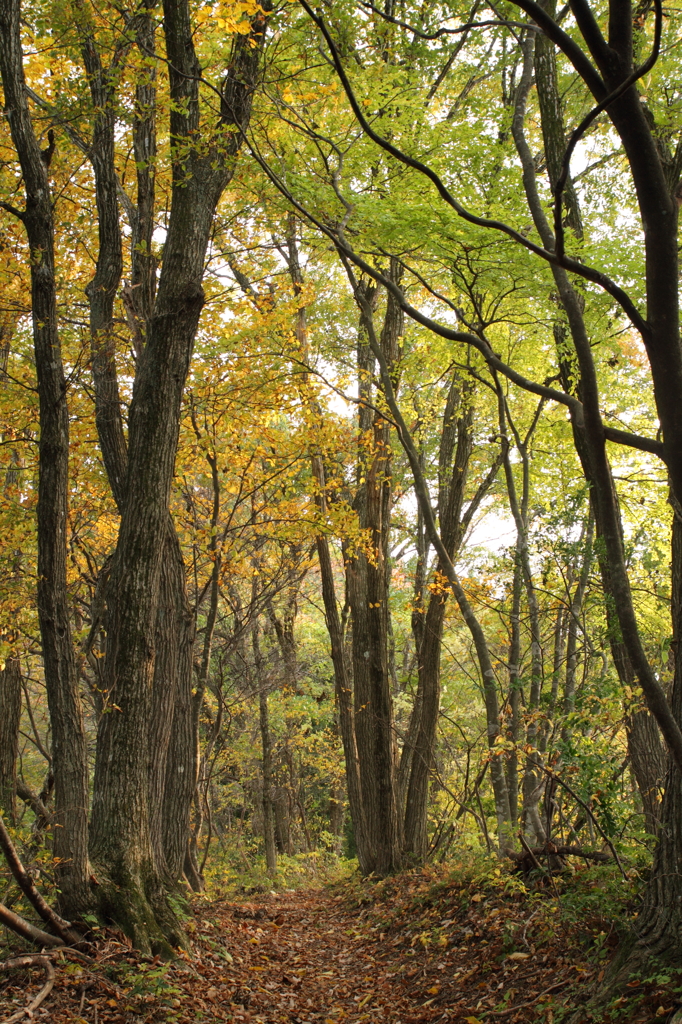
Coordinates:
(555, 855)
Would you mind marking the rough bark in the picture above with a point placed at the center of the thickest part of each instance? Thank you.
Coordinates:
(68, 737)
(266, 771)
(171, 743)
(368, 576)
(648, 762)
(10, 719)
(121, 842)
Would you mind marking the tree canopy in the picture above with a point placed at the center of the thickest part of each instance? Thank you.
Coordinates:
(341, 443)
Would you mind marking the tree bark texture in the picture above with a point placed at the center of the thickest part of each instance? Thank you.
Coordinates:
(10, 719)
(121, 837)
(368, 577)
(68, 737)
(455, 451)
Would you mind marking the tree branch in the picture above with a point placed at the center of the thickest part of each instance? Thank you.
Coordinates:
(25, 882)
(567, 263)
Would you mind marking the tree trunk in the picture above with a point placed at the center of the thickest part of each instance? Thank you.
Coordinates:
(515, 692)
(343, 692)
(659, 923)
(68, 737)
(130, 887)
(268, 810)
(455, 451)
(10, 719)
(368, 590)
(532, 776)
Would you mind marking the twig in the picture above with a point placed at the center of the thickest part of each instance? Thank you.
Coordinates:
(587, 810)
(523, 1006)
(532, 856)
(34, 960)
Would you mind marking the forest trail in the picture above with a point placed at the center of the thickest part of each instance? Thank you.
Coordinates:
(327, 956)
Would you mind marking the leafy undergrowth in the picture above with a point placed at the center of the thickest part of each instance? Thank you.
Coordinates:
(469, 943)
(230, 874)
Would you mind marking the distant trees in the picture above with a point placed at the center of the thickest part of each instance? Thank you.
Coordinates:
(609, 66)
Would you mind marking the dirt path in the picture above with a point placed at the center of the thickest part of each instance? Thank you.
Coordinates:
(304, 958)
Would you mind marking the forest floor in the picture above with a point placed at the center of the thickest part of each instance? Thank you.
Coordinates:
(420, 948)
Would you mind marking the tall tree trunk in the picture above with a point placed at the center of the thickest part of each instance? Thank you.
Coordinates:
(515, 693)
(578, 376)
(191, 867)
(660, 922)
(131, 889)
(266, 748)
(10, 720)
(455, 451)
(532, 776)
(368, 576)
(343, 676)
(421, 488)
(170, 743)
(268, 809)
(68, 737)
(173, 777)
(343, 692)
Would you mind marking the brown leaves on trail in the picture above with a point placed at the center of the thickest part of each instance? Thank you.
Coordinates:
(399, 952)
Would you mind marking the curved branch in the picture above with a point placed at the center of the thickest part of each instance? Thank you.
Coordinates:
(642, 444)
(578, 133)
(428, 36)
(13, 210)
(568, 46)
(34, 960)
(463, 337)
(66, 934)
(27, 930)
(567, 263)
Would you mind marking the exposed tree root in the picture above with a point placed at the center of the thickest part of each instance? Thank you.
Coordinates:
(141, 911)
(31, 960)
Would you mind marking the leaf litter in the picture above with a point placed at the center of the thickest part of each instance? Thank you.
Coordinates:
(415, 949)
